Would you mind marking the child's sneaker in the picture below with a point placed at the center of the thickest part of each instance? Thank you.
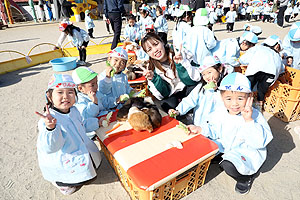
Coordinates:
(244, 187)
(65, 190)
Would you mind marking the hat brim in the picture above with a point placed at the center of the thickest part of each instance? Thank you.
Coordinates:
(90, 77)
(293, 39)
(201, 21)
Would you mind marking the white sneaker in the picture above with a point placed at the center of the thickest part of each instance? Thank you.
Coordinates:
(65, 190)
(81, 63)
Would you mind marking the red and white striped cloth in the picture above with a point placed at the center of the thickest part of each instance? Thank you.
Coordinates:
(149, 158)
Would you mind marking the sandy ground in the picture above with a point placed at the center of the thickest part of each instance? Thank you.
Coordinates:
(22, 93)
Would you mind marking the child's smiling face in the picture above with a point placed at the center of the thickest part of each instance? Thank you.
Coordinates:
(118, 63)
(234, 101)
(63, 98)
(210, 74)
(131, 22)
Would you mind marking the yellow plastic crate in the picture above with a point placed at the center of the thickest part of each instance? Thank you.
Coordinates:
(174, 189)
(282, 99)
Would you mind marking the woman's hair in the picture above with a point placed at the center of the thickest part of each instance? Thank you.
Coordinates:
(153, 37)
(185, 14)
(160, 10)
(221, 76)
(49, 98)
(69, 29)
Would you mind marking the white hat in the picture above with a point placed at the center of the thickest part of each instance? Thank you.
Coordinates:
(256, 30)
(236, 82)
(119, 52)
(201, 17)
(61, 81)
(209, 61)
(272, 40)
(182, 9)
(249, 36)
(294, 33)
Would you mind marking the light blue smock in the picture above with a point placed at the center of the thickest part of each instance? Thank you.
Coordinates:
(244, 144)
(79, 37)
(132, 32)
(89, 23)
(65, 154)
(180, 33)
(161, 24)
(228, 51)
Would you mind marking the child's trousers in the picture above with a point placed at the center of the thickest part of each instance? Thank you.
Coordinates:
(230, 26)
(263, 81)
(82, 52)
(91, 30)
(231, 170)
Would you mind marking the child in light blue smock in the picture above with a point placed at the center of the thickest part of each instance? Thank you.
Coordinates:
(113, 82)
(203, 98)
(88, 103)
(200, 40)
(264, 66)
(89, 23)
(291, 46)
(161, 25)
(132, 30)
(241, 132)
(66, 156)
(79, 38)
(182, 28)
(145, 20)
(228, 50)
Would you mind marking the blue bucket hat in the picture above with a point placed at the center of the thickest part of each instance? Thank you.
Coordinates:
(294, 33)
(61, 81)
(236, 82)
(249, 36)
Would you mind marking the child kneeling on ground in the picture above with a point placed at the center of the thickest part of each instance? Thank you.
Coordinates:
(241, 132)
(67, 157)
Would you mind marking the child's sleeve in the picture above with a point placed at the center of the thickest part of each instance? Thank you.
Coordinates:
(50, 141)
(126, 32)
(209, 39)
(107, 101)
(212, 128)
(105, 83)
(190, 101)
(248, 56)
(159, 87)
(257, 133)
(232, 53)
(89, 111)
(286, 45)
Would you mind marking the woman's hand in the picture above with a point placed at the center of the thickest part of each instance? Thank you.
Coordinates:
(149, 74)
(178, 56)
(194, 129)
(247, 112)
(50, 121)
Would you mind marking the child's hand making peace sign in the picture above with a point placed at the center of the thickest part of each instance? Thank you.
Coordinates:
(50, 121)
(247, 112)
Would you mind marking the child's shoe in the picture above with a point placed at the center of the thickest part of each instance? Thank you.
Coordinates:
(65, 190)
(244, 187)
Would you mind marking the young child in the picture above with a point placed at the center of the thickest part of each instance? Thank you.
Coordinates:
(230, 18)
(113, 83)
(228, 50)
(67, 157)
(241, 132)
(212, 18)
(291, 46)
(249, 11)
(265, 68)
(254, 29)
(145, 19)
(161, 25)
(200, 40)
(182, 27)
(132, 30)
(88, 104)
(89, 23)
(79, 38)
(203, 98)
(219, 13)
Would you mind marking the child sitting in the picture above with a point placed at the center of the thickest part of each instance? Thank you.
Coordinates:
(265, 68)
(89, 23)
(113, 83)
(79, 38)
(203, 98)
(88, 104)
(67, 157)
(291, 46)
(228, 50)
(131, 31)
(161, 25)
(241, 132)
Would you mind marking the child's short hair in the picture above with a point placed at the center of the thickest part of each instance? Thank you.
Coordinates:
(235, 82)
(131, 17)
(159, 9)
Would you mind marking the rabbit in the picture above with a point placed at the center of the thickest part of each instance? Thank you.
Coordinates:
(154, 114)
(122, 114)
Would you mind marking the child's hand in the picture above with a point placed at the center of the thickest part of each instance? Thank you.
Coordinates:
(178, 56)
(108, 70)
(173, 113)
(194, 129)
(50, 121)
(103, 122)
(247, 112)
(92, 96)
(289, 61)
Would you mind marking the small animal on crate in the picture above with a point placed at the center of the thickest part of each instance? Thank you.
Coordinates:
(144, 105)
(139, 120)
(133, 72)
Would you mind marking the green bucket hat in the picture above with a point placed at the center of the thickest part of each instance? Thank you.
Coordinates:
(83, 75)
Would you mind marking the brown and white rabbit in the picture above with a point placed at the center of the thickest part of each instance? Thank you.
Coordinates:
(139, 120)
